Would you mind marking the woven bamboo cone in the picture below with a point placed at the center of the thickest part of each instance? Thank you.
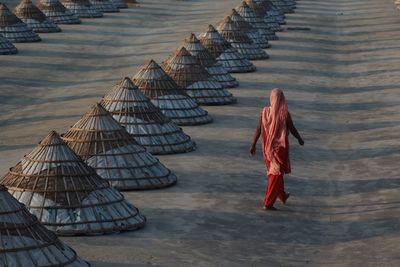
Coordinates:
(239, 40)
(187, 72)
(286, 6)
(120, 3)
(170, 98)
(144, 121)
(14, 29)
(58, 13)
(223, 51)
(82, 8)
(66, 195)
(109, 149)
(106, 6)
(6, 47)
(209, 62)
(249, 30)
(272, 12)
(261, 11)
(34, 18)
(257, 22)
(25, 242)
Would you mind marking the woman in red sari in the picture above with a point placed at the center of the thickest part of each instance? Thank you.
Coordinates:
(274, 127)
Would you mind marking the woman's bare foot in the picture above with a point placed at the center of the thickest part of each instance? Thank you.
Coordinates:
(287, 195)
(269, 208)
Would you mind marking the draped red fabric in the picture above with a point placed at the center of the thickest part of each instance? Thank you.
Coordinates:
(275, 145)
(275, 190)
(274, 134)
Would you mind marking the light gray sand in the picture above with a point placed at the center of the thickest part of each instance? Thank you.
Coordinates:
(342, 81)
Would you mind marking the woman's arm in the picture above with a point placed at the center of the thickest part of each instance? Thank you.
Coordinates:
(257, 134)
(294, 131)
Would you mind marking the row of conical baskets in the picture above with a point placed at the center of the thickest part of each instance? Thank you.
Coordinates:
(29, 19)
(70, 183)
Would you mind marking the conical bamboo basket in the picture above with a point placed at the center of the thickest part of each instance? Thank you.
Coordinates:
(209, 62)
(239, 40)
(258, 23)
(285, 6)
(66, 195)
(58, 13)
(225, 54)
(261, 11)
(272, 12)
(25, 242)
(109, 149)
(106, 6)
(120, 3)
(14, 29)
(82, 8)
(187, 72)
(6, 47)
(34, 18)
(144, 121)
(170, 98)
(249, 30)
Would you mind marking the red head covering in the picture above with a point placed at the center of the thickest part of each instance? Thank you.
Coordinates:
(275, 132)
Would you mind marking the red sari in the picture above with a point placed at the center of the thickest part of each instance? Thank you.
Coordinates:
(275, 144)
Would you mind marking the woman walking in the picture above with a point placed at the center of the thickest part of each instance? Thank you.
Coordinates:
(274, 127)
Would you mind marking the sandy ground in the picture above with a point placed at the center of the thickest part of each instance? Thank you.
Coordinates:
(341, 78)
